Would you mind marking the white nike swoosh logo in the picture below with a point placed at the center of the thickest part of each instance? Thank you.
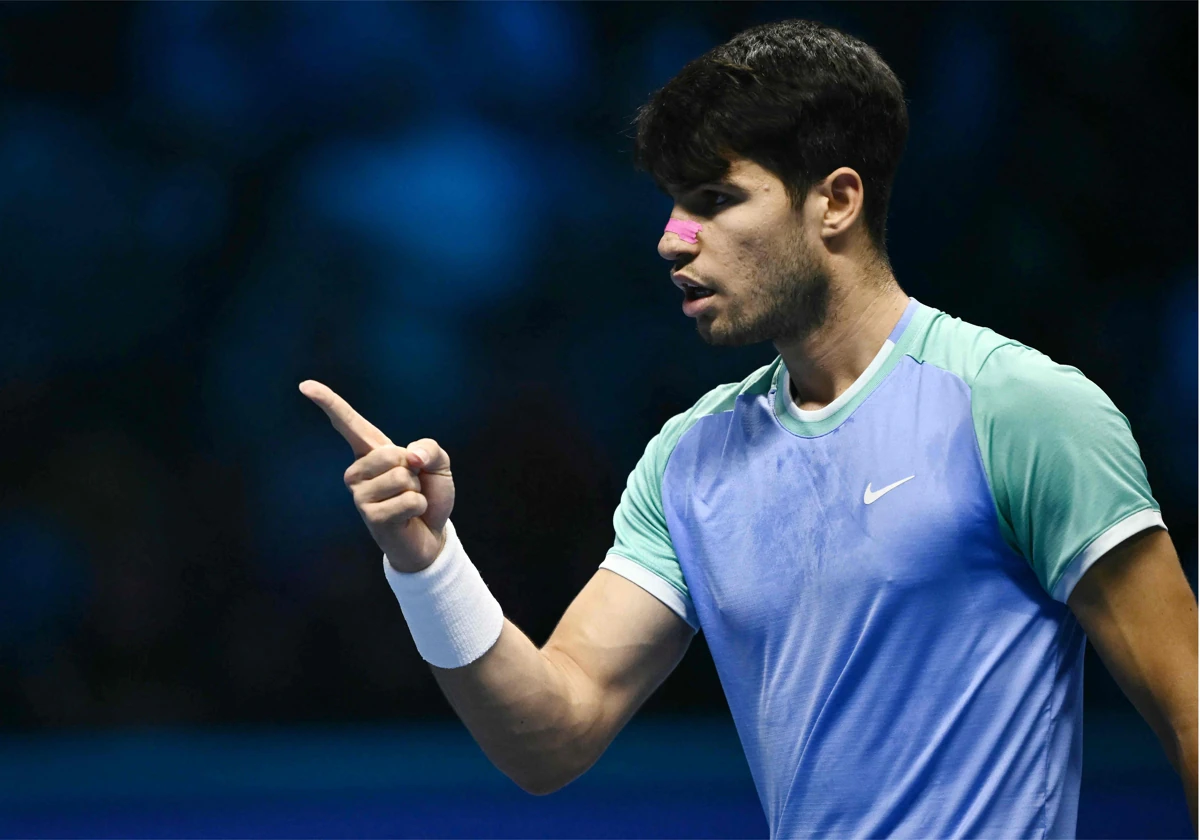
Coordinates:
(870, 495)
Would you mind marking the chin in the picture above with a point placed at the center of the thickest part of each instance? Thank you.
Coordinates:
(705, 330)
(719, 337)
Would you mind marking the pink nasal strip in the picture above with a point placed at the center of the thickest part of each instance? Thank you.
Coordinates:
(684, 230)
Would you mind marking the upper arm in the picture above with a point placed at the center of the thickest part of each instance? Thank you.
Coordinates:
(616, 643)
(631, 624)
(1066, 475)
(1140, 615)
(1072, 496)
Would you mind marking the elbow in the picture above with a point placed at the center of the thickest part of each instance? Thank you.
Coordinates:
(565, 751)
(550, 776)
(547, 777)
(540, 787)
(540, 784)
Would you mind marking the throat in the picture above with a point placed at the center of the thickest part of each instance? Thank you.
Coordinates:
(806, 405)
(844, 353)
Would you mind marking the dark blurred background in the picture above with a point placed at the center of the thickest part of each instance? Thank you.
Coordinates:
(432, 208)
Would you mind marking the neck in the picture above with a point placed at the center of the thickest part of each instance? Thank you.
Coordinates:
(861, 315)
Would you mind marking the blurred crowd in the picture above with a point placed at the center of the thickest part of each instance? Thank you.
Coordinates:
(432, 208)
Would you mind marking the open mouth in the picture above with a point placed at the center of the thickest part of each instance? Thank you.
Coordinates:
(693, 291)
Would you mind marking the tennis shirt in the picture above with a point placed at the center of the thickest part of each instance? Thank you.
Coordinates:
(883, 582)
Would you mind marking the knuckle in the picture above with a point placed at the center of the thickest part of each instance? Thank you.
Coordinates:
(406, 506)
(403, 506)
(405, 480)
(414, 504)
(432, 447)
(437, 450)
(384, 486)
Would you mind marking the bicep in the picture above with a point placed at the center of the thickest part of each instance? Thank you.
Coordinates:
(1140, 615)
(617, 643)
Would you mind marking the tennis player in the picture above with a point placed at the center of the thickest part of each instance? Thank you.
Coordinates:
(895, 536)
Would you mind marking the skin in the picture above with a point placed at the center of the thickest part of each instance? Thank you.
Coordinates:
(543, 716)
(1140, 614)
(808, 279)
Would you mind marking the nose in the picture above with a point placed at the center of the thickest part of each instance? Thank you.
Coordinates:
(672, 246)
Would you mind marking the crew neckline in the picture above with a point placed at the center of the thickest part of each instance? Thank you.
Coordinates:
(824, 419)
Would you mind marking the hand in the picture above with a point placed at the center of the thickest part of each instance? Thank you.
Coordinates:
(404, 494)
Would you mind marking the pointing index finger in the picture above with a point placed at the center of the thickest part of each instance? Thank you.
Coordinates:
(358, 432)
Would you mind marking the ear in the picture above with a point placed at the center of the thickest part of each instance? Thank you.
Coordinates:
(843, 194)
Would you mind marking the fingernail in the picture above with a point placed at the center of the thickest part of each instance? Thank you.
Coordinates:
(421, 454)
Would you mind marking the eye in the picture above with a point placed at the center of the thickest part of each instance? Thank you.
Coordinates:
(708, 202)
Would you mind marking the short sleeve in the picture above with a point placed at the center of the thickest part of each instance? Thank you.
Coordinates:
(1066, 475)
(642, 552)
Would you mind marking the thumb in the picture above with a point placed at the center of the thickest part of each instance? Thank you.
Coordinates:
(429, 456)
(437, 484)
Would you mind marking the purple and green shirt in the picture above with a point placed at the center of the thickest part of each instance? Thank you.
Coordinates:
(883, 582)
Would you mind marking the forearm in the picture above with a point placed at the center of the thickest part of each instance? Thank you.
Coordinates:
(1183, 756)
(534, 713)
(528, 710)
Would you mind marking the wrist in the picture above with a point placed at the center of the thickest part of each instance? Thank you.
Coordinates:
(453, 617)
(405, 567)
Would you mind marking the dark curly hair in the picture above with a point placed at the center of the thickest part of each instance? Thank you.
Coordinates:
(796, 97)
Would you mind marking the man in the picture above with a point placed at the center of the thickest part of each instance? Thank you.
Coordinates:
(894, 536)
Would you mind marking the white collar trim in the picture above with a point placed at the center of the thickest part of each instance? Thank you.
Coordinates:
(842, 398)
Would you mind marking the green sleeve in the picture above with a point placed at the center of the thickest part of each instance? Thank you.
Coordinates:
(1066, 476)
(643, 551)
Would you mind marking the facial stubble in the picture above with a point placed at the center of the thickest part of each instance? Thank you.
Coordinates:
(789, 301)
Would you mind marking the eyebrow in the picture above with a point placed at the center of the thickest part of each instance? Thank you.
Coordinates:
(679, 191)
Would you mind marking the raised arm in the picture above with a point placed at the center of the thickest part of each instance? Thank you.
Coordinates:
(542, 716)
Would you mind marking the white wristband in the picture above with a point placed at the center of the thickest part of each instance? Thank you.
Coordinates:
(453, 617)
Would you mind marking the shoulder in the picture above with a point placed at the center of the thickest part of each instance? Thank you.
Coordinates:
(717, 401)
(1004, 375)
(1018, 384)
(958, 347)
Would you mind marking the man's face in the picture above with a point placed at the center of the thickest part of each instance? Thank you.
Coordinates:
(757, 255)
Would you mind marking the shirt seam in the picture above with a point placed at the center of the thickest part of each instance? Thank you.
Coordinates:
(662, 504)
(987, 358)
(987, 476)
